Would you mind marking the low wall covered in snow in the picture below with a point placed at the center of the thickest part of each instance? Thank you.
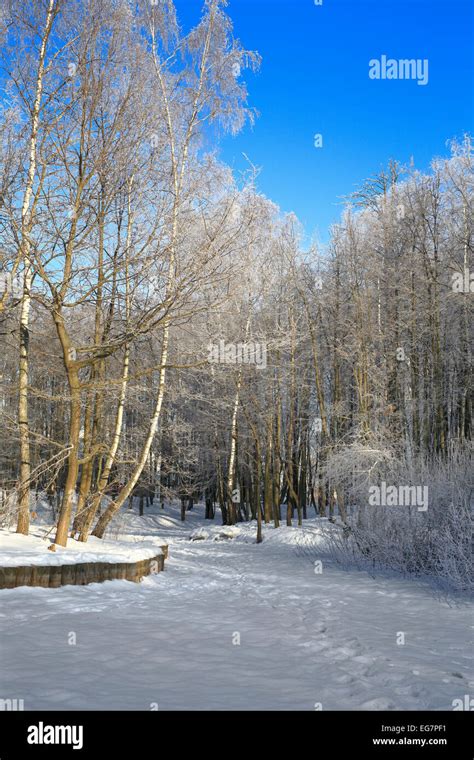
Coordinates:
(81, 573)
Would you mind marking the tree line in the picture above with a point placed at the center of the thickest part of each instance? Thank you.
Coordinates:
(134, 264)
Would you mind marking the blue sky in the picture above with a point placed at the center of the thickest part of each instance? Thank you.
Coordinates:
(314, 79)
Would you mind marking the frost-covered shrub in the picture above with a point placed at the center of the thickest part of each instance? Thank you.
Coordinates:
(436, 543)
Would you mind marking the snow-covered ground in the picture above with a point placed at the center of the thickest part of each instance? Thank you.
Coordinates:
(235, 625)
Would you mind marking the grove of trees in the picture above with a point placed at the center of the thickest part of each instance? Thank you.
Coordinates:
(128, 250)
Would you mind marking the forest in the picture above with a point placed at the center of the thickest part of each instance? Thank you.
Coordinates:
(168, 333)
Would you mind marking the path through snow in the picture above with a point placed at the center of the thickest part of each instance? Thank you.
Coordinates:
(305, 638)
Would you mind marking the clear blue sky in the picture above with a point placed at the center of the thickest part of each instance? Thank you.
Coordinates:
(314, 79)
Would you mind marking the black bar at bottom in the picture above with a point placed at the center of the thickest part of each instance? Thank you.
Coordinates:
(132, 734)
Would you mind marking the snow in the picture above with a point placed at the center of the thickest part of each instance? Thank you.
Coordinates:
(235, 625)
(17, 550)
